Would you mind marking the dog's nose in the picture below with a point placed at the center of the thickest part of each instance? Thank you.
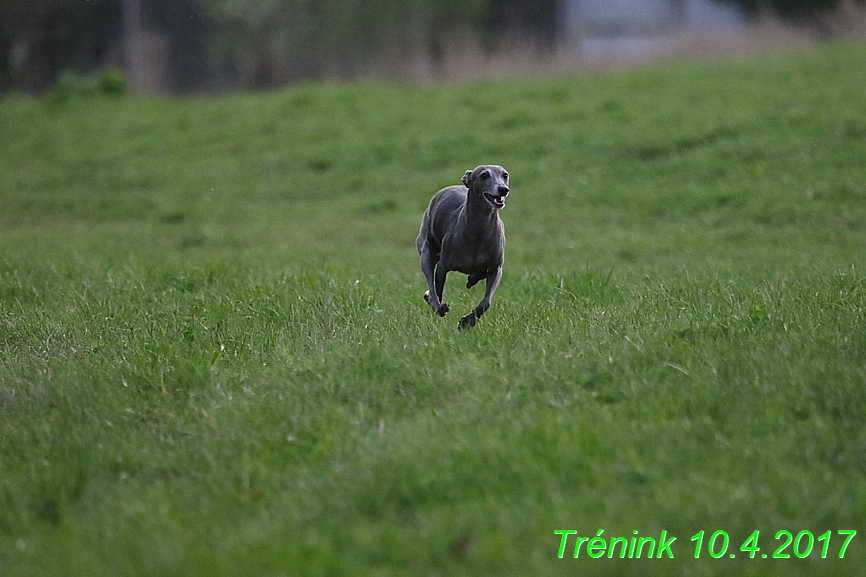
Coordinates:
(503, 190)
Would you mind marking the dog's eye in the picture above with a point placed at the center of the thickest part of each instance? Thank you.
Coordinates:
(485, 175)
(505, 175)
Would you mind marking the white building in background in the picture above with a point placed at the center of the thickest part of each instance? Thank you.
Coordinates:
(598, 29)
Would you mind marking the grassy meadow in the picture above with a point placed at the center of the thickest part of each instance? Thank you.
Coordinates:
(215, 358)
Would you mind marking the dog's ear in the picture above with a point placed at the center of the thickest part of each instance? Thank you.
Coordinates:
(465, 178)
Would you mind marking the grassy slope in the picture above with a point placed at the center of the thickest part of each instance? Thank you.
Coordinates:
(214, 358)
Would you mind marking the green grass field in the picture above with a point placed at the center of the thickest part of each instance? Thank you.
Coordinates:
(215, 358)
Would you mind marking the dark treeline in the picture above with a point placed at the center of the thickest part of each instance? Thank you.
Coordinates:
(189, 45)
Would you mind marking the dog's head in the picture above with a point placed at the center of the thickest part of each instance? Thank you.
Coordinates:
(489, 182)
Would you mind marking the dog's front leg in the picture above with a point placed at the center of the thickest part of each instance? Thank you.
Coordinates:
(490, 287)
(433, 295)
(493, 279)
(440, 276)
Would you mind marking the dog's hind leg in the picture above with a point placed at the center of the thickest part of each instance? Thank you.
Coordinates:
(473, 280)
(492, 282)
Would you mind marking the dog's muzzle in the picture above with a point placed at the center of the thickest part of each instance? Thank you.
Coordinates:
(498, 201)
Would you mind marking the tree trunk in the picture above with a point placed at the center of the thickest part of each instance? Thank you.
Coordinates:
(132, 44)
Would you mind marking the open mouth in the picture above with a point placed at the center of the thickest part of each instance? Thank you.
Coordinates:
(496, 201)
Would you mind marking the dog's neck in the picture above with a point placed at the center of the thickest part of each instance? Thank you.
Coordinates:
(479, 213)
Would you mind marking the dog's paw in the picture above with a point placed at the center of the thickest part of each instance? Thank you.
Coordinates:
(466, 322)
(473, 280)
(443, 309)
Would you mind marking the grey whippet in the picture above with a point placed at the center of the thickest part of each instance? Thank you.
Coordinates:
(461, 231)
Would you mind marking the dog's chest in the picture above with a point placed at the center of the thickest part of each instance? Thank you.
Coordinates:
(473, 254)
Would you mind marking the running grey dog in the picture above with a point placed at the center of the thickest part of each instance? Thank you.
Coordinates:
(461, 231)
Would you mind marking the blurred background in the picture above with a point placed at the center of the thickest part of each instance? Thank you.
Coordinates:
(206, 46)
